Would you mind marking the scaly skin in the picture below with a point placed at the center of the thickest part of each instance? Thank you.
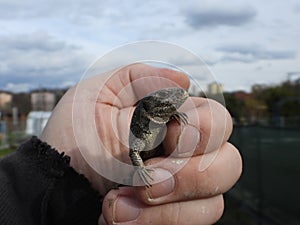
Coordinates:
(148, 122)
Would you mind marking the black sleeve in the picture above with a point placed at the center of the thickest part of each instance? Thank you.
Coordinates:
(38, 187)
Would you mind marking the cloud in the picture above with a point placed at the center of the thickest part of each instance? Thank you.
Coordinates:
(15, 9)
(252, 53)
(38, 59)
(39, 41)
(296, 8)
(293, 73)
(72, 10)
(216, 16)
(17, 88)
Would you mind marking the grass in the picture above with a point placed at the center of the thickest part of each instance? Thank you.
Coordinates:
(5, 151)
(13, 141)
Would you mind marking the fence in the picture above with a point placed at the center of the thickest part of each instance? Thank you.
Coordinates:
(11, 135)
(3, 135)
(268, 191)
(13, 132)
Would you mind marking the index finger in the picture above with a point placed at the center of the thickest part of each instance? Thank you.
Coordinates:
(209, 127)
(131, 83)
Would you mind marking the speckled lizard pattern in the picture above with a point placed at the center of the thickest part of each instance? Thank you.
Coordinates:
(148, 123)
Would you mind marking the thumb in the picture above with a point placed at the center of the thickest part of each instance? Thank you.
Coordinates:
(120, 206)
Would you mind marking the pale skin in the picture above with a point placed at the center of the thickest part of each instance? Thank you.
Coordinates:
(192, 195)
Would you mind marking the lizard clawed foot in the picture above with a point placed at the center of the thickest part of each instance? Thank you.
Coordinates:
(145, 176)
(181, 116)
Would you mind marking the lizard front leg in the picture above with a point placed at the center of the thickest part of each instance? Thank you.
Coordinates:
(180, 116)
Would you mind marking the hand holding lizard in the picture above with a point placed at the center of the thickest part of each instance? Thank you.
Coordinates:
(174, 200)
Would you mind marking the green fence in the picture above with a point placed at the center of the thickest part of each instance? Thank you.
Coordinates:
(269, 189)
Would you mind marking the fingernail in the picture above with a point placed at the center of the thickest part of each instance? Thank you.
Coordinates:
(165, 185)
(188, 140)
(126, 209)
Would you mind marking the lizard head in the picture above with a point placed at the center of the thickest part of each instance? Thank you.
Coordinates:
(162, 104)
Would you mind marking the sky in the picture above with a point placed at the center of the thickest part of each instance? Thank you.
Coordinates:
(51, 43)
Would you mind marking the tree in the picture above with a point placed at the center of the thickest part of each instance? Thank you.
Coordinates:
(281, 100)
(234, 106)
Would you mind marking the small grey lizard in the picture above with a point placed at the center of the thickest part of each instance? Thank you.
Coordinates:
(148, 123)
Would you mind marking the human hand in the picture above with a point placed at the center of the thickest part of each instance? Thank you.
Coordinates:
(190, 196)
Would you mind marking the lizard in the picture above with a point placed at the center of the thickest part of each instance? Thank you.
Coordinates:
(148, 125)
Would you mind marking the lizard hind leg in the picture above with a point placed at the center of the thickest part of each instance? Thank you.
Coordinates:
(144, 174)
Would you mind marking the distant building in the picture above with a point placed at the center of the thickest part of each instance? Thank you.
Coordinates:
(242, 95)
(214, 88)
(195, 90)
(42, 100)
(5, 99)
(36, 122)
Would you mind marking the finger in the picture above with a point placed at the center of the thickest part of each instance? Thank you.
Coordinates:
(124, 88)
(121, 207)
(133, 82)
(181, 180)
(209, 126)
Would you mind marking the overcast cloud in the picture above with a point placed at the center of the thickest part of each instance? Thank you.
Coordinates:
(253, 53)
(51, 43)
(39, 59)
(216, 16)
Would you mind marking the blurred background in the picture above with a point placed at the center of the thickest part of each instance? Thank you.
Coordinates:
(251, 47)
